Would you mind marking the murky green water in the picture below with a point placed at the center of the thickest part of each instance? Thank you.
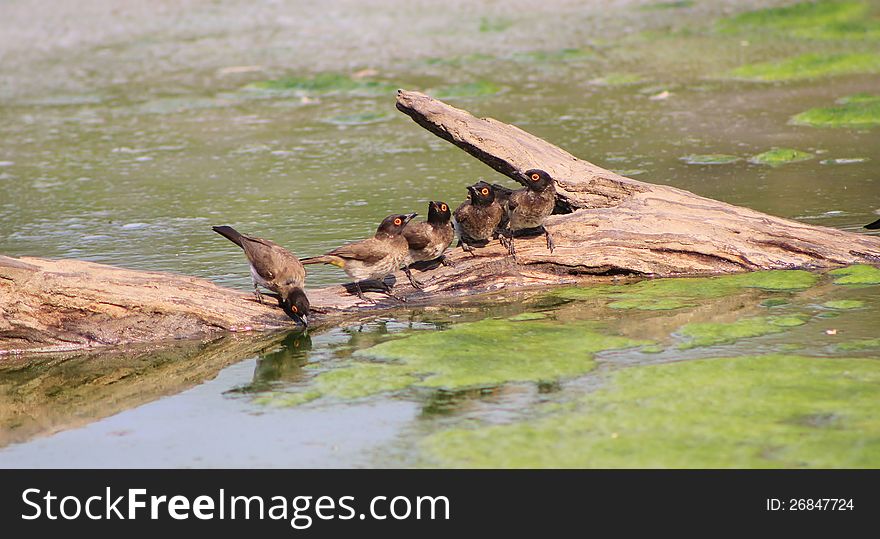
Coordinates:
(127, 135)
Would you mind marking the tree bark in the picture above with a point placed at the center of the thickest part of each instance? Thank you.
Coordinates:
(605, 225)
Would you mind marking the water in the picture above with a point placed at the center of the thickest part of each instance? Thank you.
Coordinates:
(128, 133)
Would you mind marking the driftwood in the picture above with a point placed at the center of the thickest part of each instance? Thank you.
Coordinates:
(606, 225)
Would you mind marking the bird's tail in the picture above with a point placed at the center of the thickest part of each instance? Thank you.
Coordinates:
(873, 226)
(229, 233)
(324, 259)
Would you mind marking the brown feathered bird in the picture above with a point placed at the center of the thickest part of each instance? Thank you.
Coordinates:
(527, 208)
(478, 218)
(428, 240)
(275, 268)
(373, 258)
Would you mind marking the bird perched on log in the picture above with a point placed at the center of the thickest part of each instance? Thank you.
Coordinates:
(478, 218)
(873, 226)
(429, 239)
(275, 268)
(373, 258)
(527, 208)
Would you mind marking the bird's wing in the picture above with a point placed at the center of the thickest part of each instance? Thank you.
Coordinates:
(271, 260)
(514, 198)
(368, 251)
(418, 235)
(502, 194)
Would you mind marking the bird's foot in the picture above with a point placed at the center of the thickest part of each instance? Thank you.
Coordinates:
(387, 292)
(446, 262)
(550, 244)
(258, 296)
(360, 293)
(507, 242)
(412, 280)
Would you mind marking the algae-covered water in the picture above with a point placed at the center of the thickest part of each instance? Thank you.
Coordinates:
(128, 130)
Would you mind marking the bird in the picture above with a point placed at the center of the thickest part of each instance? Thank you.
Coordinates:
(275, 268)
(478, 218)
(873, 226)
(373, 258)
(429, 239)
(527, 208)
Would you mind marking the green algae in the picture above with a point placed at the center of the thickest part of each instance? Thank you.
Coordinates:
(714, 333)
(780, 156)
(362, 380)
(492, 352)
(788, 321)
(860, 274)
(746, 412)
(821, 20)
(854, 111)
(809, 66)
(469, 355)
(323, 83)
(668, 294)
(774, 302)
(492, 25)
(863, 344)
(284, 399)
(844, 304)
(710, 159)
(527, 316)
(470, 89)
(354, 381)
(775, 280)
(707, 287)
(667, 304)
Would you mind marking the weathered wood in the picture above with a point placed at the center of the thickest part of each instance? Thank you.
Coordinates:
(623, 225)
(606, 225)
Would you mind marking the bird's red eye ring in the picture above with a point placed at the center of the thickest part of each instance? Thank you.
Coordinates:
(397, 221)
(443, 207)
(294, 308)
(485, 191)
(536, 177)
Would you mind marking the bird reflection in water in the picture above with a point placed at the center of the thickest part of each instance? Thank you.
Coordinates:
(282, 363)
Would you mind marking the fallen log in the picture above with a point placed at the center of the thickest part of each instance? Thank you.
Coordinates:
(604, 225)
(613, 224)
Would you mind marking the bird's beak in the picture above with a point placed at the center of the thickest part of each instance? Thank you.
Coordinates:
(409, 217)
(302, 319)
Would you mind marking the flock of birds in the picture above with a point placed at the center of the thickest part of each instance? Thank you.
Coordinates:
(490, 212)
